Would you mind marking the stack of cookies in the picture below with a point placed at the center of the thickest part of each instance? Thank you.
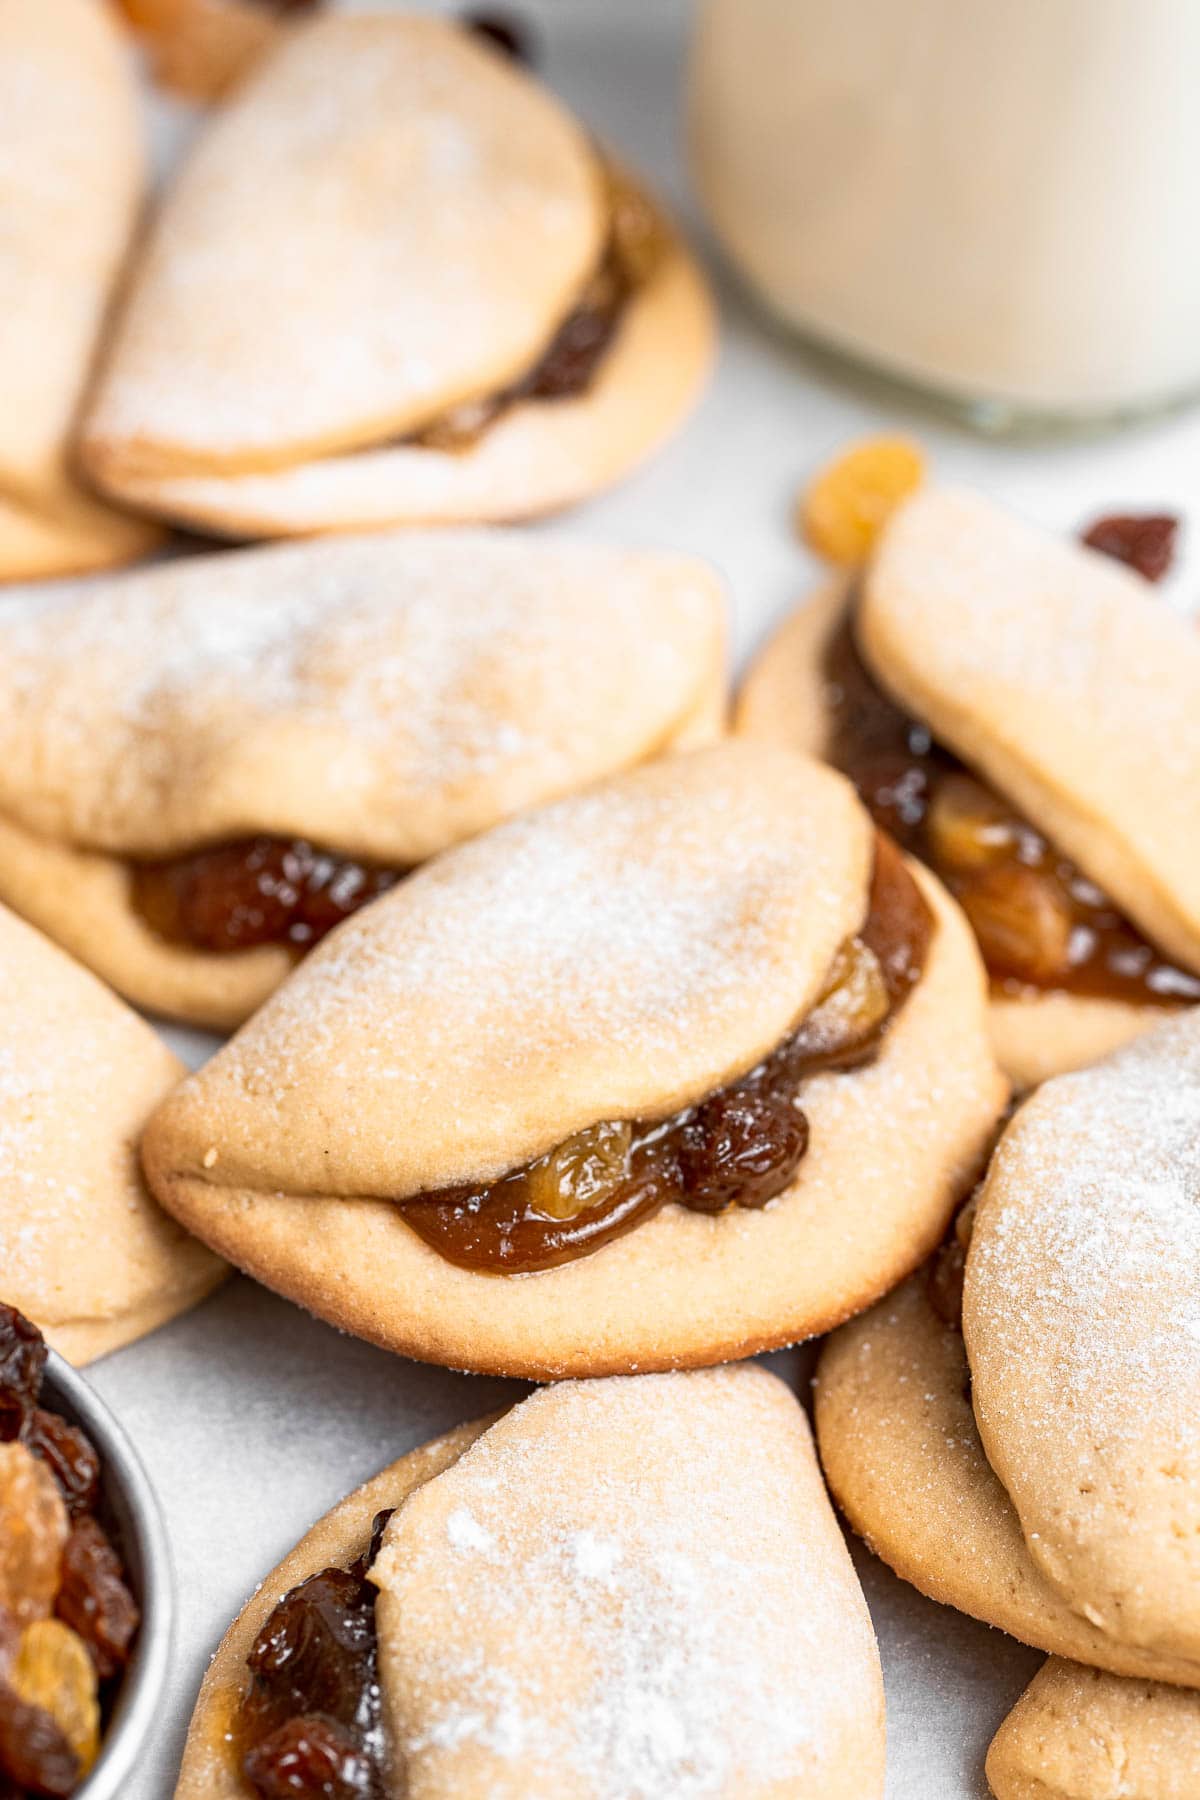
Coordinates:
(585, 1029)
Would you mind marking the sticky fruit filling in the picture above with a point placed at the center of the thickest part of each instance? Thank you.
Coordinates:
(1041, 924)
(67, 1616)
(740, 1146)
(254, 891)
(571, 360)
(311, 1717)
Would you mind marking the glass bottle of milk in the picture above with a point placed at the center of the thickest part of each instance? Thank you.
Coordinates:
(998, 200)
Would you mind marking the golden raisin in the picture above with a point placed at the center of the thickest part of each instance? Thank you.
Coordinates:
(969, 826)
(53, 1670)
(33, 1530)
(842, 512)
(582, 1171)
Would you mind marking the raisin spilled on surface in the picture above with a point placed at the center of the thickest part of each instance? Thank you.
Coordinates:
(311, 1720)
(1144, 542)
(259, 890)
(740, 1146)
(1039, 921)
(67, 1617)
(504, 31)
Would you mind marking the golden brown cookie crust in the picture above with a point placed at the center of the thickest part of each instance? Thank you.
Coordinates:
(782, 701)
(888, 1159)
(903, 1458)
(210, 1769)
(382, 696)
(414, 214)
(67, 96)
(667, 1586)
(539, 457)
(1063, 679)
(84, 1250)
(1080, 1734)
(1084, 1274)
(732, 1429)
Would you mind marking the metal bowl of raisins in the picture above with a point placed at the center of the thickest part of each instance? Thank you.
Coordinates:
(85, 1583)
(130, 1510)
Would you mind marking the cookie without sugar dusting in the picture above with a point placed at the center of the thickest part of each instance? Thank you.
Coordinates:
(785, 700)
(1081, 1315)
(904, 1461)
(71, 175)
(382, 697)
(618, 955)
(1079, 1734)
(595, 1598)
(427, 218)
(84, 1251)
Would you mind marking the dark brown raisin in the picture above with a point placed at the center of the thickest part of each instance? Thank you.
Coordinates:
(315, 1654)
(250, 891)
(1142, 541)
(743, 1145)
(70, 1457)
(34, 1752)
(504, 31)
(22, 1362)
(94, 1599)
(309, 1757)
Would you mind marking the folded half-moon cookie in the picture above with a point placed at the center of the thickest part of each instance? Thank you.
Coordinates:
(1024, 715)
(1080, 1734)
(84, 1250)
(1050, 1485)
(618, 1589)
(683, 1067)
(206, 764)
(71, 172)
(394, 283)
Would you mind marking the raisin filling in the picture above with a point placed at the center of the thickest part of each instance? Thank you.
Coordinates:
(311, 1719)
(1040, 923)
(569, 364)
(741, 1146)
(67, 1616)
(258, 890)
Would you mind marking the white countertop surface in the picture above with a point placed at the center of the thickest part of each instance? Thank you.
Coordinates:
(253, 1418)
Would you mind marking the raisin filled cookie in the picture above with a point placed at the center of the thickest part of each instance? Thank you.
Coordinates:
(406, 1638)
(69, 196)
(1039, 1466)
(205, 765)
(1068, 829)
(415, 292)
(685, 1066)
(1080, 1734)
(84, 1251)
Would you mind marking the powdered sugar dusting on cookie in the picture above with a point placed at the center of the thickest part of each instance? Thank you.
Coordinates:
(387, 219)
(1082, 1297)
(1064, 680)
(394, 692)
(613, 955)
(80, 1238)
(669, 1611)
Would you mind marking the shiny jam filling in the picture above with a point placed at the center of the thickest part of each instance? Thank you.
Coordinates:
(741, 1146)
(311, 1718)
(570, 362)
(253, 891)
(1040, 923)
